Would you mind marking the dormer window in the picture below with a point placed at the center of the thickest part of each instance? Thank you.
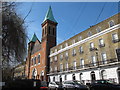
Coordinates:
(55, 50)
(79, 38)
(73, 41)
(66, 44)
(61, 47)
(111, 23)
(98, 29)
(89, 34)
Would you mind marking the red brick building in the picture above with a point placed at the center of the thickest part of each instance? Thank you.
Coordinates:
(37, 64)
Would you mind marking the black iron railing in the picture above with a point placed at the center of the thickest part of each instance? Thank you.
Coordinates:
(96, 64)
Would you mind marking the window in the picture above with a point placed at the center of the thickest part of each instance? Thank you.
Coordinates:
(55, 50)
(49, 30)
(55, 68)
(53, 31)
(50, 68)
(93, 61)
(82, 63)
(92, 46)
(111, 23)
(73, 41)
(103, 74)
(61, 67)
(61, 57)
(74, 64)
(73, 52)
(98, 29)
(51, 60)
(66, 66)
(51, 52)
(79, 38)
(118, 53)
(104, 58)
(81, 76)
(115, 38)
(55, 58)
(89, 34)
(66, 55)
(65, 77)
(81, 49)
(101, 43)
(66, 44)
(34, 60)
(61, 47)
(38, 58)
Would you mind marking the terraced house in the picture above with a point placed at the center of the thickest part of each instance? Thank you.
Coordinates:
(90, 55)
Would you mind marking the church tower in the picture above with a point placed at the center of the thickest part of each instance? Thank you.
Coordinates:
(49, 28)
(48, 36)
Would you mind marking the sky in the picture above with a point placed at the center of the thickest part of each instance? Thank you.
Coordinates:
(72, 17)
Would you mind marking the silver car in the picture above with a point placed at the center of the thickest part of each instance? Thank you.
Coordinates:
(76, 85)
(55, 86)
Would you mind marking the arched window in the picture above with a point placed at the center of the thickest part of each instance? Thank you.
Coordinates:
(65, 77)
(34, 73)
(81, 76)
(93, 78)
(104, 74)
(49, 30)
(54, 79)
(38, 58)
(73, 76)
(111, 23)
(60, 78)
(53, 31)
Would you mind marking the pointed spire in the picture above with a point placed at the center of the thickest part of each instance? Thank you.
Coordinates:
(34, 38)
(49, 15)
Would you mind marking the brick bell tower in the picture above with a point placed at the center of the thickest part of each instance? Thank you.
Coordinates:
(48, 37)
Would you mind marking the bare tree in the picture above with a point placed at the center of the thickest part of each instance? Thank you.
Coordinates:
(13, 36)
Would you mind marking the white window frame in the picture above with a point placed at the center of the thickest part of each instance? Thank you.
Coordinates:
(101, 41)
(93, 60)
(98, 29)
(113, 37)
(55, 58)
(104, 58)
(82, 62)
(113, 23)
(92, 45)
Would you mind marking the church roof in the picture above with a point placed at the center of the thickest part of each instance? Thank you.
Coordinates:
(34, 38)
(49, 15)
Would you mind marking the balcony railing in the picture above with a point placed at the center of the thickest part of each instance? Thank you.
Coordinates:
(97, 64)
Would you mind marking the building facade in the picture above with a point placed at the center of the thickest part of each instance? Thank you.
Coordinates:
(19, 71)
(37, 64)
(90, 55)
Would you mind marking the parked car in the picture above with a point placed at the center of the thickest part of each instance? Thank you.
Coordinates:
(55, 85)
(76, 85)
(43, 85)
(103, 85)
